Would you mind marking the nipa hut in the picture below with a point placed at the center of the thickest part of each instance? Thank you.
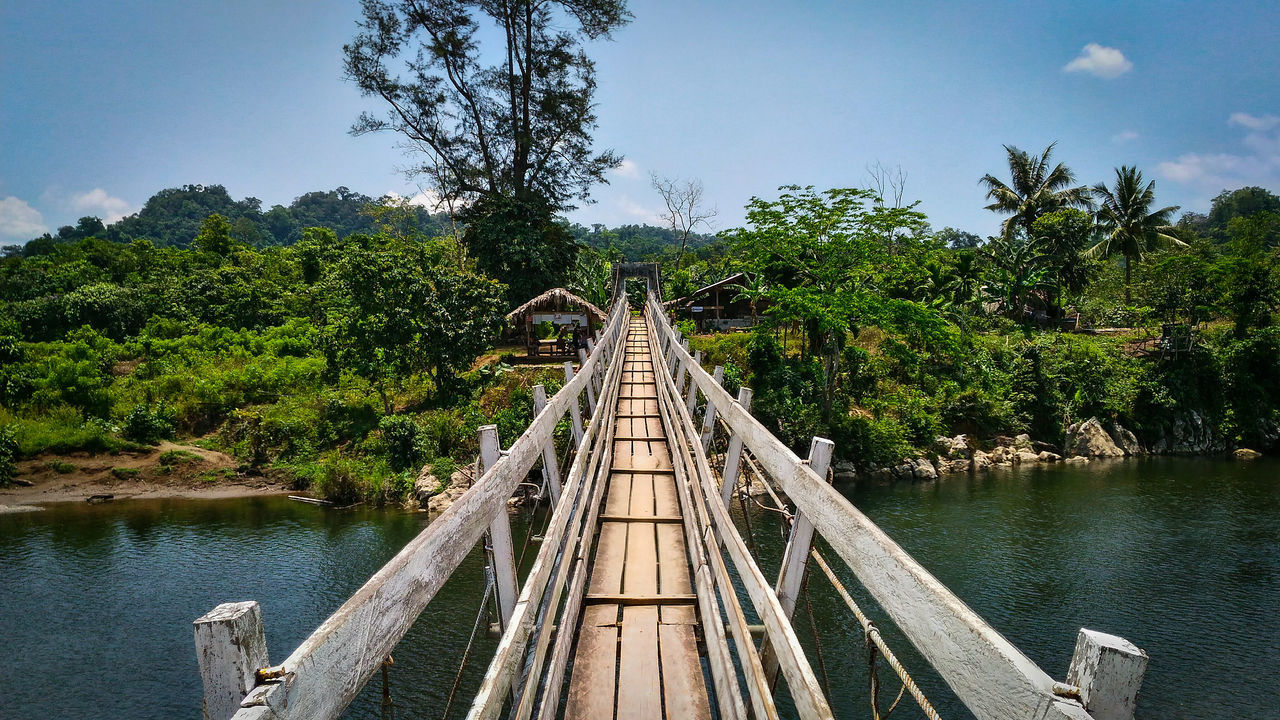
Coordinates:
(572, 319)
(718, 306)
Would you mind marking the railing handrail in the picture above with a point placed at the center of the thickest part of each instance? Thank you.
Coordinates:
(988, 673)
(324, 674)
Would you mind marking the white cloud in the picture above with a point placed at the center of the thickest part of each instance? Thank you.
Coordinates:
(636, 212)
(99, 203)
(1125, 136)
(1252, 122)
(20, 221)
(627, 169)
(1212, 172)
(1100, 61)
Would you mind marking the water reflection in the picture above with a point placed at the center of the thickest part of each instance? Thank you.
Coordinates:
(1180, 556)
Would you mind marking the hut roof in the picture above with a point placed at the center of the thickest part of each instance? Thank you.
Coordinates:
(556, 299)
(734, 278)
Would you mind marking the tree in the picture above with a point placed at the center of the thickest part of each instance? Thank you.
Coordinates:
(1130, 226)
(822, 253)
(518, 243)
(1064, 236)
(1019, 271)
(685, 212)
(752, 289)
(958, 239)
(214, 236)
(518, 128)
(1036, 189)
(396, 312)
(1240, 203)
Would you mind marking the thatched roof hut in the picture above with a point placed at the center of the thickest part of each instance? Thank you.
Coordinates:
(557, 300)
(573, 319)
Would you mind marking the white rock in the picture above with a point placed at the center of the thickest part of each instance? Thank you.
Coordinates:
(1089, 439)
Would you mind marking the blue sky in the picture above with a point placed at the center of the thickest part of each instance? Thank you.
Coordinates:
(103, 104)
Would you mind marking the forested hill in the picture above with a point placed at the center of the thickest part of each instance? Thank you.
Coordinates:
(637, 243)
(172, 218)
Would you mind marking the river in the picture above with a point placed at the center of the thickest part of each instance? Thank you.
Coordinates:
(1180, 556)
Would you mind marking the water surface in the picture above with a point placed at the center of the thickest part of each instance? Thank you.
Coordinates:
(1180, 556)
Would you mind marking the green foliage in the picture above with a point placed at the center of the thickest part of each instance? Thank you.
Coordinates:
(123, 473)
(518, 242)
(61, 467)
(178, 457)
(8, 455)
(148, 425)
(403, 441)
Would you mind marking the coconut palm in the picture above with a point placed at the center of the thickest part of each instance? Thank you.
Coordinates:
(1128, 224)
(1037, 188)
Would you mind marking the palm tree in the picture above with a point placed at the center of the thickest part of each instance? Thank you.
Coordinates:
(1037, 189)
(1129, 225)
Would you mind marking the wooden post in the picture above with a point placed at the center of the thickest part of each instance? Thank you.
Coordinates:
(504, 558)
(733, 455)
(709, 418)
(550, 468)
(230, 648)
(795, 559)
(574, 410)
(691, 399)
(684, 368)
(1108, 670)
(591, 391)
(597, 376)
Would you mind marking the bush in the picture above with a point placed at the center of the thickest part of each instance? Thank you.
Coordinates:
(8, 454)
(402, 441)
(178, 457)
(870, 442)
(145, 425)
(122, 473)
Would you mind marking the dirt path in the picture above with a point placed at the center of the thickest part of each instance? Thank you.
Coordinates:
(168, 470)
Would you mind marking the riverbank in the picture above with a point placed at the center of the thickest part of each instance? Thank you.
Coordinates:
(168, 470)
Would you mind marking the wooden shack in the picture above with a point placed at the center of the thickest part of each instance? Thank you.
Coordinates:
(714, 307)
(572, 319)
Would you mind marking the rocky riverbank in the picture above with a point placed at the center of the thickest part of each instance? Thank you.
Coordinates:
(1086, 441)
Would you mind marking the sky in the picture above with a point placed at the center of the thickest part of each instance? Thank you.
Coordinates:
(104, 104)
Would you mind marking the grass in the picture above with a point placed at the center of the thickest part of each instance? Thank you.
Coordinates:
(61, 467)
(123, 473)
(178, 457)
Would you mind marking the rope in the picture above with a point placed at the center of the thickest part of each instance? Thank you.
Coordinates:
(475, 629)
(817, 641)
(873, 638)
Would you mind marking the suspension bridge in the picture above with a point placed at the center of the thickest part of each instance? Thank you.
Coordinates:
(637, 605)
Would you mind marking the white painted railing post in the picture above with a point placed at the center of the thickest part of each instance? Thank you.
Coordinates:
(691, 399)
(550, 468)
(591, 391)
(230, 647)
(732, 456)
(595, 373)
(1108, 671)
(574, 410)
(795, 559)
(504, 558)
(709, 417)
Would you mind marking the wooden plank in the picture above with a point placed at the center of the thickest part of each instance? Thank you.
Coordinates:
(678, 614)
(673, 566)
(592, 687)
(991, 676)
(683, 689)
(640, 573)
(631, 599)
(664, 495)
(505, 583)
(639, 693)
(606, 570)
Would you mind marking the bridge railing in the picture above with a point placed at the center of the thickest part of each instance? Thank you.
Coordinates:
(320, 678)
(990, 675)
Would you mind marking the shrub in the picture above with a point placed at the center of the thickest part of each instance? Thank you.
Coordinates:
(123, 473)
(402, 440)
(145, 425)
(61, 467)
(8, 454)
(178, 457)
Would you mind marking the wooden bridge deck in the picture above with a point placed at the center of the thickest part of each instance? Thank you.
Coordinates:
(640, 622)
